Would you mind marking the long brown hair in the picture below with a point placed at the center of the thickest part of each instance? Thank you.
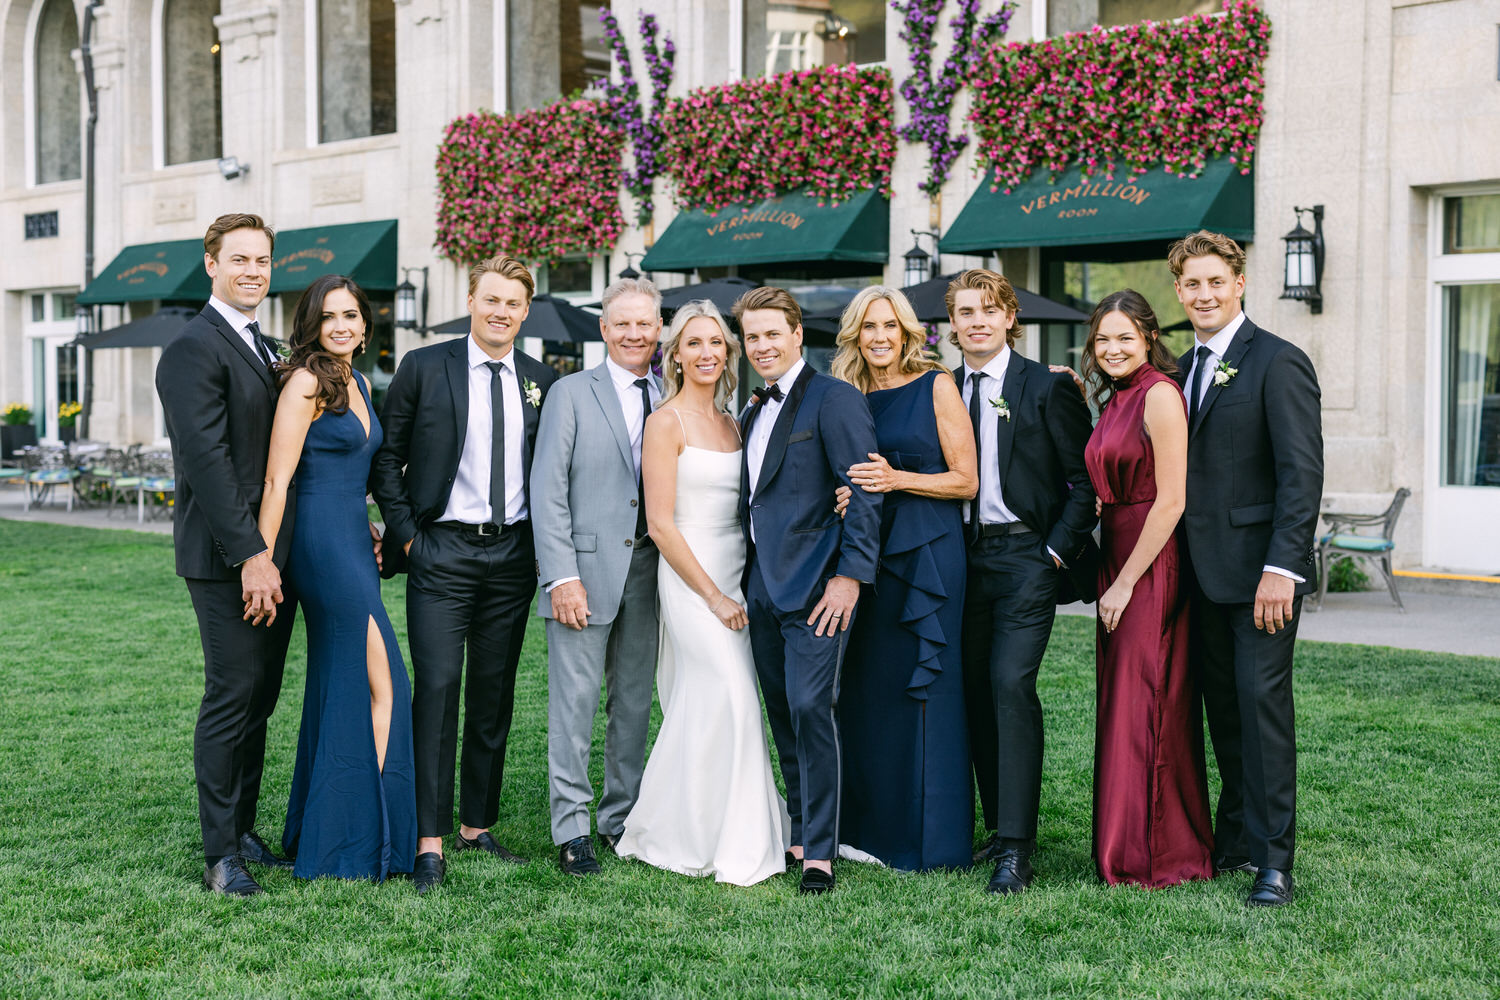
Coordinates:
(332, 374)
(1135, 307)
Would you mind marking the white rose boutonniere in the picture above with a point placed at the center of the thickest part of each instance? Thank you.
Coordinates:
(1001, 407)
(533, 393)
(1223, 373)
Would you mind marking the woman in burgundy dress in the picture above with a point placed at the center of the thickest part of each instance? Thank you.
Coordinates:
(1151, 818)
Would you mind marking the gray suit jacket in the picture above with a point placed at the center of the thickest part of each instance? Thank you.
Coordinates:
(583, 492)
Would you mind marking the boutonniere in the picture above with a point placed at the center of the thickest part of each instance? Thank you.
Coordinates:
(1001, 407)
(1223, 373)
(533, 393)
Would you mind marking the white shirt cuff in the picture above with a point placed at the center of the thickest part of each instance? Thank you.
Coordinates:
(558, 583)
(1054, 555)
(1284, 572)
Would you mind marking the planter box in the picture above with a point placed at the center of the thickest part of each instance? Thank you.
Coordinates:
(14, 437)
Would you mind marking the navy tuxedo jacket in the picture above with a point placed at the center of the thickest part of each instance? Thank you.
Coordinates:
(823, 428)
(1255, 468)
(425, 421)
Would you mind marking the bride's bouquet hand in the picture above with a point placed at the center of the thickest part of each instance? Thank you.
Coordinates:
(730, 613)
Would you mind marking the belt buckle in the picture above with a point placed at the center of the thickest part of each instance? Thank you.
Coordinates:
(480, 529)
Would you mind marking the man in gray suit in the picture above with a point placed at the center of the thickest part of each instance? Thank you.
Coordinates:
(598, 566)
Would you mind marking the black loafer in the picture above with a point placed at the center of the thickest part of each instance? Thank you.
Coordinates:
(793, 863)
(489, 845)
(611, 842)
(1271, 888)
(229, 878)
(428, 872)
(1228, 865)
(576, 857)
(815, 881)
(1012, 872)
(988, 851)
(254, 851)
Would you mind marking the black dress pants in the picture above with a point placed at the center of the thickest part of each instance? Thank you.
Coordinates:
(242, 668)
(465, 593)
(1009, 607)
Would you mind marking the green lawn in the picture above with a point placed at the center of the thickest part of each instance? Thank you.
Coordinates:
(99, 857)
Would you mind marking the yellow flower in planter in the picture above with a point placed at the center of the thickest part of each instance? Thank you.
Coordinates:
(67, 413)
(17, 413)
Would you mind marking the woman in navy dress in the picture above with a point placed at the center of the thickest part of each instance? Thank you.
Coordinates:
(353, 805)
(907, 800)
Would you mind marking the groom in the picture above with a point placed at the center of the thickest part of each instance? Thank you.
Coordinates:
(1254, 482)
(804, 565)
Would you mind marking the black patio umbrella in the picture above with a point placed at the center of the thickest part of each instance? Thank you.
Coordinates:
(157, 330)
(722, 292)
(926, 297)
(550, 318)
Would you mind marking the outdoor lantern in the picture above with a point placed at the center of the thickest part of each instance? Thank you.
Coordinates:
(83, 320)
(628, 272)
(407, 315)
(835, 28)
(1304, 261)
(917, 263)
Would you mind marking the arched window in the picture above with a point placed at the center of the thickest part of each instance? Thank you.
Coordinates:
(59, 95)
(356, 68)
(192, 110)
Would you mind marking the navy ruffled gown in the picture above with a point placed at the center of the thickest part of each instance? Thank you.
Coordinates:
(347, 818)
(907, 798)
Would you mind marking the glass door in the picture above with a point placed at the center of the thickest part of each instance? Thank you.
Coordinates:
(56, 366)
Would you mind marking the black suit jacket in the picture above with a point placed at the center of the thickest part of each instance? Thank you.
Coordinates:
(426, 419)
(1043, 478)
(1255, 468)
(219, 401)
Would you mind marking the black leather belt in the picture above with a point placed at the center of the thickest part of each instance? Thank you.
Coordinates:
(1000, 530)
(489, 529)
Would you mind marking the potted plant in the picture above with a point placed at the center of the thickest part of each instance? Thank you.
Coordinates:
(67, 421)
(16, 432)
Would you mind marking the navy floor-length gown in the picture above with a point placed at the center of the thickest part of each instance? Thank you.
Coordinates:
(347, 817)
(907, 799)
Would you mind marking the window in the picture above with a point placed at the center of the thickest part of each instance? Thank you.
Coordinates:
(192, 107)
(1470, 340)
(1471, 224)
(59, 95)
(780, 37)
(356, 68)
(555, 49)
(1062, 18)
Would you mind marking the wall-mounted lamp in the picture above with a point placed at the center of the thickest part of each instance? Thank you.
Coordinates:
(1304, 261)
(83, 320)
(408, 314)
(920, 265)
(231, 167)
(628, 272)
(836, 29)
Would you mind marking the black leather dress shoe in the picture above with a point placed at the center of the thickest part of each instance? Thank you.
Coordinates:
(988, 851)
(255, 852)
(489, 845)
(1271, 888)
(1012, 871)
(610, 842)
(576, 857)
(1227, 865)
(793, 863)
(229, 878)
(428, 872)
(815, 881)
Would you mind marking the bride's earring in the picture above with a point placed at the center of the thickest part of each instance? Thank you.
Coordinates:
(678, 368)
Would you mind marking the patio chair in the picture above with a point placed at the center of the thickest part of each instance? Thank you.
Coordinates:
(157, 479)
(47, 468)
(1371, 537)
(117, 475)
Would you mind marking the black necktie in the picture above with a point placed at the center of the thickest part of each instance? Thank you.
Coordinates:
(640, 512)
(974, 412)
(262, 346)
(497, 442)
(1200, 365)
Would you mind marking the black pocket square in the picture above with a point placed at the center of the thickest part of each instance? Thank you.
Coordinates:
(799, 436)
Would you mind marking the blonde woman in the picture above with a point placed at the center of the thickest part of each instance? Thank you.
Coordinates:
(906, 794)
(708, 804)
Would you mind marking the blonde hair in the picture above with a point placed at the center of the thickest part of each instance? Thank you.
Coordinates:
(1203, 244)
(770, 297)
(671, 372)
(506, 267)
(849, 362)
(993, 287)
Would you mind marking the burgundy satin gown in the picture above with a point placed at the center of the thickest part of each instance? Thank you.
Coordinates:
(1151, 817)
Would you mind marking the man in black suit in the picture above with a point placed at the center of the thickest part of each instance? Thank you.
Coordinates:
(1254, 482)
(453, 481)
(1030, 549)
(219, 396)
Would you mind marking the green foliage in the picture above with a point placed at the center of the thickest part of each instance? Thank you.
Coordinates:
(1347, 576)
(99, 847)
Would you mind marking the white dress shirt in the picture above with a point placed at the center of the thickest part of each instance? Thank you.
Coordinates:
(469, 500)
(1218, 346)
(992, 509)
(630, 404)
(238, 321)
(765, 422)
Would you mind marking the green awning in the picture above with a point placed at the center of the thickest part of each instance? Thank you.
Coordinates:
(364, 251)
(791, 228)
(144, 271)
(1154, 207)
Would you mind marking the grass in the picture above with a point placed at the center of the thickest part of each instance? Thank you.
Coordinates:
(100, 860)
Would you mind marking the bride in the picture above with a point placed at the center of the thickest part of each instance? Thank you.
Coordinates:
(708, 803)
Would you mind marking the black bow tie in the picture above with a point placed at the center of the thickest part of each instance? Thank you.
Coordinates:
(773, 391)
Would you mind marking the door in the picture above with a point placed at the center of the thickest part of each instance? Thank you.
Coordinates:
(54, 366)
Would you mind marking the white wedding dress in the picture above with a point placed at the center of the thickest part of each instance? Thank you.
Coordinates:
(708, 803)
